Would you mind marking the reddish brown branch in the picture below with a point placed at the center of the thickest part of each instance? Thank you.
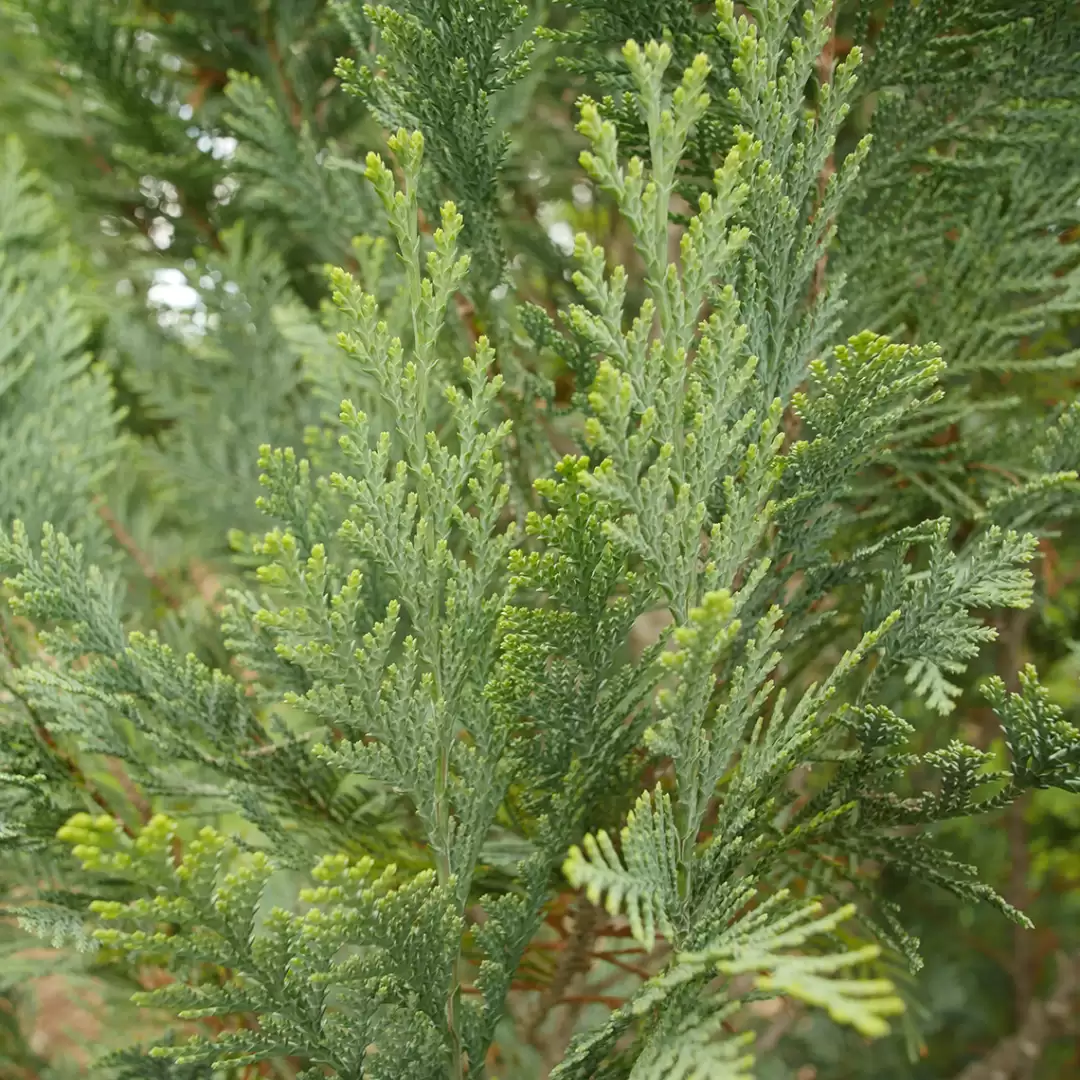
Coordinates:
(78, 777)
(140, 558)
(296, 112)
(573, 961)
(989, 467)
(610, 1000)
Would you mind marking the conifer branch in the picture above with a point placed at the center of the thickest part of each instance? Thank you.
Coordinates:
(1011, 661)
(140, 558)
(712, 660)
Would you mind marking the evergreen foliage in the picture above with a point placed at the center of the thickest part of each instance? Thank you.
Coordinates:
(630, 609)
(58, 420)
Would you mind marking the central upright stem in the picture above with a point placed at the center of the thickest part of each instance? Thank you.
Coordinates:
(445, 875)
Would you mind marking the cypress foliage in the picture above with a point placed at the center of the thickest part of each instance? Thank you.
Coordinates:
(502, 587)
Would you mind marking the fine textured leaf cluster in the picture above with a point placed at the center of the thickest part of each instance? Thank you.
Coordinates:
(657, 653)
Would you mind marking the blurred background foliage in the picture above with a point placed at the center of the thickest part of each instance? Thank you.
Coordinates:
(175, 179)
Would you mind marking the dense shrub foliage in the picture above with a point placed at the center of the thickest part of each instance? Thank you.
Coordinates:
(538, 539)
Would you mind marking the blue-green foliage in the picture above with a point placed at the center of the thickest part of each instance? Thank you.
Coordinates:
(447, 61)
(342, 844)
(58, 420)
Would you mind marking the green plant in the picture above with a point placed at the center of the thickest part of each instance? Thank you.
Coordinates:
(680, 667)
